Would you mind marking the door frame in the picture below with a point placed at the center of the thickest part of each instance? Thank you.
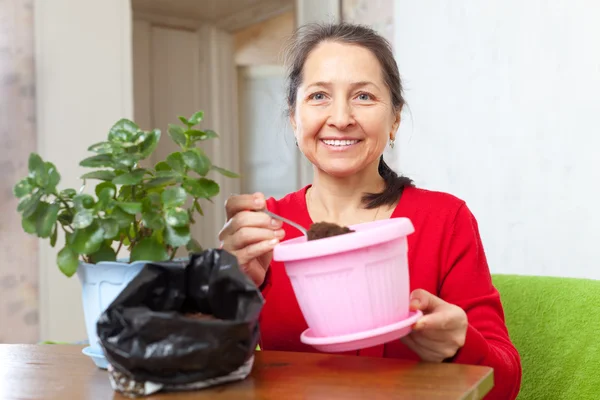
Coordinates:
(219, 77)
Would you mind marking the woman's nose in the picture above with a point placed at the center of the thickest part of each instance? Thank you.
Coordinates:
(341, 116)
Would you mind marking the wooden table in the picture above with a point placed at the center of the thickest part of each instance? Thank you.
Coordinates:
(62, 372)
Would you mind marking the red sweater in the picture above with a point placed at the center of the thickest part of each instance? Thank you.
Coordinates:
(446, 258)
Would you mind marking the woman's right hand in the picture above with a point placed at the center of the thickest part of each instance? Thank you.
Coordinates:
(250, 235)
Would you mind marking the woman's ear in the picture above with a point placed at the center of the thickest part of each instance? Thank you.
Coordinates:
(396, 123)
(293, 122)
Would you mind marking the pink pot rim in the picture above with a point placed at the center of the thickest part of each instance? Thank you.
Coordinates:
(367, 234)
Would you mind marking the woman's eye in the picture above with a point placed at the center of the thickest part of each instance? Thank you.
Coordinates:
(364, 96)
(318, 96)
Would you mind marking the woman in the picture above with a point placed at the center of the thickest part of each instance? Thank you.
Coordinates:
(345, 100)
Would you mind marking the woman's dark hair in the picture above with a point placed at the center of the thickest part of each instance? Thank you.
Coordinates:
(306, 39)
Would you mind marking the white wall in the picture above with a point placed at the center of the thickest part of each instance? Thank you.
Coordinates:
(504, 100)
(265, 129)
(83, 74)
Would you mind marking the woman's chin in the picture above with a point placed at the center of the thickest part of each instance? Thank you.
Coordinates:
(340, 171)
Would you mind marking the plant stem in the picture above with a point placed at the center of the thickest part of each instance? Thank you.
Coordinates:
(63, 228)
(120, 245)
(173, 253)
(131, 241)
(64, 202)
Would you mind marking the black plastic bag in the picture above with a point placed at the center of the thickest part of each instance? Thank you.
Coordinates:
(147, 337)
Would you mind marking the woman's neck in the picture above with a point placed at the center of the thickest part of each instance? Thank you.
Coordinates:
(339, 200)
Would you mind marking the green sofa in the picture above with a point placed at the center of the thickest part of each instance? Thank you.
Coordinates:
(555, 325)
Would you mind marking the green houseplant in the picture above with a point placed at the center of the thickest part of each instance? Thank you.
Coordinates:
(147, 210)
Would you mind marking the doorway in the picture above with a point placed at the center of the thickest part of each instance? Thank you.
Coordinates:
(222, 58)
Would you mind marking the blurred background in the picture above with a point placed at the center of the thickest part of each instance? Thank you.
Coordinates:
(502, 111)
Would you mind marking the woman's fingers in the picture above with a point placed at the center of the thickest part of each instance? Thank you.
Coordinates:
(249, 219)
(244, 202)
(428, 351)
(248, 236)
(254, 251)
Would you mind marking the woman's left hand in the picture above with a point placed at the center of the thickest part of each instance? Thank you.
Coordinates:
(441, 332)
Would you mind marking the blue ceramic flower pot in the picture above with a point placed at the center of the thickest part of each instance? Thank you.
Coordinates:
(101, 283)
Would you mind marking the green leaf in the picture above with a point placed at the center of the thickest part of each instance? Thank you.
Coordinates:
(130, 207)
(204, 188)
(198, 208)
(149, 249)
(175, 161)
(224, 172)
(177, 135)
(177, 217)
(103, 175)
(105, 253)
(150, 142)
(173, 197)
(154, 199)
(110, 226)
(36, 164)
(88, 240)
(68, 193)
(167, 174)
(177, 237)
(196, 135)
(54, 236)
(162, 166)
(153, 220)
(193, 246)
(22, 188)
(197, 161)
(123, 219)
(132, 178)
(184, 120)
(101, 148)
(106, 185)
(29, 225)
(53, 177)
(125, 192)
(83, 219)
(126, 161)
(65, 217)
(123, 131)
(196, 118)
(159, 182)
(83, 201)
(104, 198)
(67, 261)
(37, 170)
(29, 204)
(98, 161)
(46, 220)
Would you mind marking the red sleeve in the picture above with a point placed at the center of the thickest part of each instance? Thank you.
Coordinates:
(467, 283)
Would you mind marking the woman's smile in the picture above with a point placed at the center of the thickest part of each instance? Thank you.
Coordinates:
(338, 145)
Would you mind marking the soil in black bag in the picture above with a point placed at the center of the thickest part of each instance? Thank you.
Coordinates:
(183, 322)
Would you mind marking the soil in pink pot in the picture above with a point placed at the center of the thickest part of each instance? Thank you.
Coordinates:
(321, 230)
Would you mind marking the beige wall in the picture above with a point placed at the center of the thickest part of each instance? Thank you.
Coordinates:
(83, 74)
(262, 43)
(18, 251)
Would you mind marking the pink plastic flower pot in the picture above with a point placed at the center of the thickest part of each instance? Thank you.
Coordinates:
(354, 282)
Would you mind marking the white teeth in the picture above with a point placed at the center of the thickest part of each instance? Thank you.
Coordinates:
(340, 142)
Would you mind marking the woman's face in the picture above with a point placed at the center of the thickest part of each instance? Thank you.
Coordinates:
(344, 115)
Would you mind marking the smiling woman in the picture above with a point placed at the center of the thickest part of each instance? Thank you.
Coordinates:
(345, 101)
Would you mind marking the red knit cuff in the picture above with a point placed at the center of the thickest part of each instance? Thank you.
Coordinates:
(475, 349)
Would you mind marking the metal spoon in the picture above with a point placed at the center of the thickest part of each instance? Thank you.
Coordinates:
(287, 221)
